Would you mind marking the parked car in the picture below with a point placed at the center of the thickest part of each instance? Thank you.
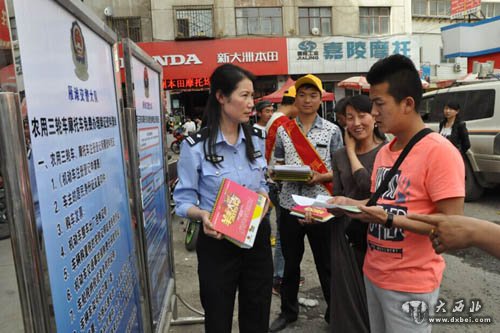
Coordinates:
(480, 109)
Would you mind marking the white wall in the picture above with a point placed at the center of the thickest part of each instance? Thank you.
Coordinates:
(345, 15)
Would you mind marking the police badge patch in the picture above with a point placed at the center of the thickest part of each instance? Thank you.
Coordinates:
(79, 52)
(146, 82)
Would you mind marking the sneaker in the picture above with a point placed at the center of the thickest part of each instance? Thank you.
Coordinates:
(302, 281)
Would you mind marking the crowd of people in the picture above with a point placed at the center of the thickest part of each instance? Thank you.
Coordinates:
(368, 263)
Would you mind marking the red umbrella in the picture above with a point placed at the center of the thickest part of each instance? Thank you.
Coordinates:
(276, 96)
(8, 78)
(355, 83)
(360, 83)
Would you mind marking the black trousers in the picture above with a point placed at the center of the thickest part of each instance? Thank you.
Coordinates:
(224, 268)
(292, 244)
(349, 310)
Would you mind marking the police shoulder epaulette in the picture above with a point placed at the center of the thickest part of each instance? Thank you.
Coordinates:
(258, 132)
(199, 136)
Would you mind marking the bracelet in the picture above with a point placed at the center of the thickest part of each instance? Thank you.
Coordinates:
(389, 221)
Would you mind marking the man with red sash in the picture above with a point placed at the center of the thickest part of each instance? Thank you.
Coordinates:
(306, 140)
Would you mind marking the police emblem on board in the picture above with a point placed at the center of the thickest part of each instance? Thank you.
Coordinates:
(79, 52)
(146, 82)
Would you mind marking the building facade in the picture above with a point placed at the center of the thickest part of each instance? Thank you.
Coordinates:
(332, 39)
(428, 17)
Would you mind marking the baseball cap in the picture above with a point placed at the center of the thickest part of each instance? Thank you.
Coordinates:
(309, 79)
(262, 104)
(290, 92)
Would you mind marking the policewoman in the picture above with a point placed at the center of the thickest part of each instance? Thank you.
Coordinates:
(227, 148)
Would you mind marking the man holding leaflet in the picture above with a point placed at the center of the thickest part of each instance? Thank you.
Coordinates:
(306, 140)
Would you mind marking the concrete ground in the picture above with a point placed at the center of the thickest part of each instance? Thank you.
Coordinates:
(470, 275)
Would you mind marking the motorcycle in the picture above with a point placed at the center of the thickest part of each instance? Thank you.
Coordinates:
(175, 146)
(193, 227)
(4, 223)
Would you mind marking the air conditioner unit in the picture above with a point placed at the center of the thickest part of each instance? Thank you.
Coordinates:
(486, 69)
(476, 66)
(456, 68)
(315, 31)
(108, 11)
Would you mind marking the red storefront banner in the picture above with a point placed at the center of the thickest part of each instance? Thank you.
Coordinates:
(189, 64)
(464, 7)
(4, 27)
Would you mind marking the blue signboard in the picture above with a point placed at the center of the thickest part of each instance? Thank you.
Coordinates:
(146, 83)
(81, 185)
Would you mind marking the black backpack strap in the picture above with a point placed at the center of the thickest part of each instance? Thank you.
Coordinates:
(383, 185)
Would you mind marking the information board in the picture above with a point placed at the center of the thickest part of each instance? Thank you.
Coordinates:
(146, 83)
(74, 126)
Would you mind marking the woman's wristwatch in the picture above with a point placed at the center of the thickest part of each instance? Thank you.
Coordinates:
(389, 221)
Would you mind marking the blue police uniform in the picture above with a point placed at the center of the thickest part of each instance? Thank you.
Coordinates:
(223, 267)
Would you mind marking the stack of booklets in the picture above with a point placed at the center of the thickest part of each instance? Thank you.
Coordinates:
(322, 201)
(319, 214)
(237, 213)
(295, 173)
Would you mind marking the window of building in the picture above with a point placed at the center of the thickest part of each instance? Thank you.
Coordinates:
(193, 22)
(439, 8)
(127, 27)
(374, 20)
(315, 21)
(490, 9)
(435, 8)
(445, 60)
(419, 7)
(259, 21)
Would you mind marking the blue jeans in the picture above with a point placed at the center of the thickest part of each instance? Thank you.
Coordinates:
(278, 260)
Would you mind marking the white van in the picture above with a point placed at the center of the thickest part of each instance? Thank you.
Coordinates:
(480, 109)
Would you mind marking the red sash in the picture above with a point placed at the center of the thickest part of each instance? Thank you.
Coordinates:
(271, 135)
(306, 151)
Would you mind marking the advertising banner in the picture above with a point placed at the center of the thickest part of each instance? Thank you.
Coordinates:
(345, 54)
(146, 83)
(76, 150)
(189, 64)
(460, 8)
(4, 28)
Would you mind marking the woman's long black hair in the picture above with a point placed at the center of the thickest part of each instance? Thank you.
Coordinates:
(224, 79)
(452, 104)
